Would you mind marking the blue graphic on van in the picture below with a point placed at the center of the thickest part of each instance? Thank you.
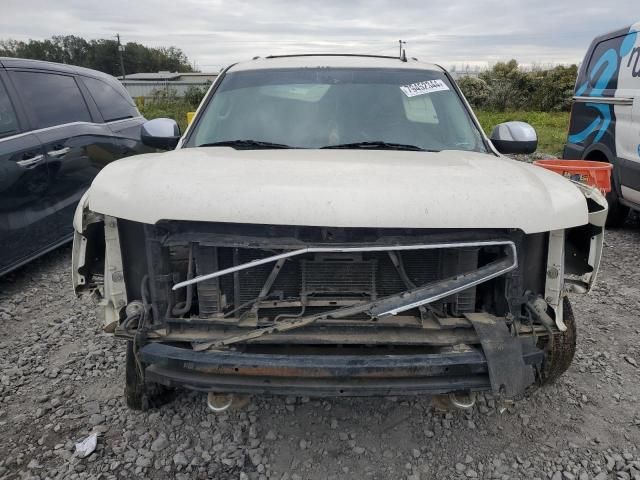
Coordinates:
(599, 76)
(628, 43)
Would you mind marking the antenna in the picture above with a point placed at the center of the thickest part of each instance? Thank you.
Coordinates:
(401, 42)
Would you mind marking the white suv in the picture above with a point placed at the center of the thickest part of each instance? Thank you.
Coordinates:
(337, 225)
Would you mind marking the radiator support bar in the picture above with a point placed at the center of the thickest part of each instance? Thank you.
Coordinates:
(390, 305)
(324, 249)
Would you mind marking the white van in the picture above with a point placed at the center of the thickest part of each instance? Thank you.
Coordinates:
(605, 118)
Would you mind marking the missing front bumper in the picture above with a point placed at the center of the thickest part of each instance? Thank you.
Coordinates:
(323, 375)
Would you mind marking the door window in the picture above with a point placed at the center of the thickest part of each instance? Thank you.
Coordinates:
(51, 99)
(8, 120)
(113, 105)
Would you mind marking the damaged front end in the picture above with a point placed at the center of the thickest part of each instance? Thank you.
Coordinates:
(335, 311)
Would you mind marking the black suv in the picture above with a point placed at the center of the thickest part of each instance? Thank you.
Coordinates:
(59, 125)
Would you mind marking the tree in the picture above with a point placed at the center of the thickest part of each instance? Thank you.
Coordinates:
(99, 54)
(74, 49)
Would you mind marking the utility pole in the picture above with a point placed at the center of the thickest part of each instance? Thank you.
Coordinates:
(120, 50)
(401, 42)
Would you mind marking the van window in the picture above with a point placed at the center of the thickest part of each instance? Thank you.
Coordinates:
(605, 63)
(8, 120)
(113, 105)
(51, 99)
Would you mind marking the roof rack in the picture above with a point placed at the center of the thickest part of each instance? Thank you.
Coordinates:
(333, 55)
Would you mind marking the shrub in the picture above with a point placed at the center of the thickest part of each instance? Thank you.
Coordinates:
(475, 90)
(195, 94)
(507, 87)
(165, 103)
(554, 88)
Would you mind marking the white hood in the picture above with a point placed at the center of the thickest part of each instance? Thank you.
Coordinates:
(338, 188)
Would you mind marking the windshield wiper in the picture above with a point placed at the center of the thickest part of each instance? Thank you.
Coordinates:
(380, 145)
(245, 144)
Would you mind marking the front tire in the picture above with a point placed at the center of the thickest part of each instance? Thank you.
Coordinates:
(560, 349)
(134, 388)
(139, 395)
(617, 212)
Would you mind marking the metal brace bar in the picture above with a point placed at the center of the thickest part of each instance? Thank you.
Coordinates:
(377, 248)
(399, 266)
(266, 288)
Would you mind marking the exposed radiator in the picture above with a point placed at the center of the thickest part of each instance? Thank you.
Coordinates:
(343, 274)
(209, 293)
(330, 276)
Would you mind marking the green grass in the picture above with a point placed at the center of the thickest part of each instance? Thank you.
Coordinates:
(551, 126)
(176, 110)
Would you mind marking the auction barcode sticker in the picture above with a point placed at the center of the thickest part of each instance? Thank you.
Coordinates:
(422, 88)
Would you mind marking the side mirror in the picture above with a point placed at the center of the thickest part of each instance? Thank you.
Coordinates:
(162, 133)
(514, 137)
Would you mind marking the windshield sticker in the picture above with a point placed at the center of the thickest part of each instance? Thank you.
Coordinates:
(422, 88)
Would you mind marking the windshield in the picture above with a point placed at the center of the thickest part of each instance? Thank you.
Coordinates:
(337, 108)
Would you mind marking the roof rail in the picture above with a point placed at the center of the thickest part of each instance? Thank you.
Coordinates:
(333, 55)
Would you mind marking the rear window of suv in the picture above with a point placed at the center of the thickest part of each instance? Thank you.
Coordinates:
(112, 104)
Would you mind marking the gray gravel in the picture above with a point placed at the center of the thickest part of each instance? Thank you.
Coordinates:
(61, 379)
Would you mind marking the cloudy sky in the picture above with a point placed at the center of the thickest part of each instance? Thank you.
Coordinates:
(214, 33)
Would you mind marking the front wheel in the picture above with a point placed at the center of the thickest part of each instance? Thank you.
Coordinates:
(559, 349)
(139, 395)
(134, 388)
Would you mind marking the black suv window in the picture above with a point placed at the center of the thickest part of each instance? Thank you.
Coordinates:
(51, 99)
(8, 120)
(112, 104)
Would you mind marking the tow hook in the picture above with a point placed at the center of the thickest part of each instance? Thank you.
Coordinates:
(219, 402)
(463, 402)
(457, 400)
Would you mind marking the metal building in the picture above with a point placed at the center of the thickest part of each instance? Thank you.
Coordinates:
(146, 84)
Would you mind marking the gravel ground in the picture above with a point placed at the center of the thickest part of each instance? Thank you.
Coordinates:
(61, 379)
